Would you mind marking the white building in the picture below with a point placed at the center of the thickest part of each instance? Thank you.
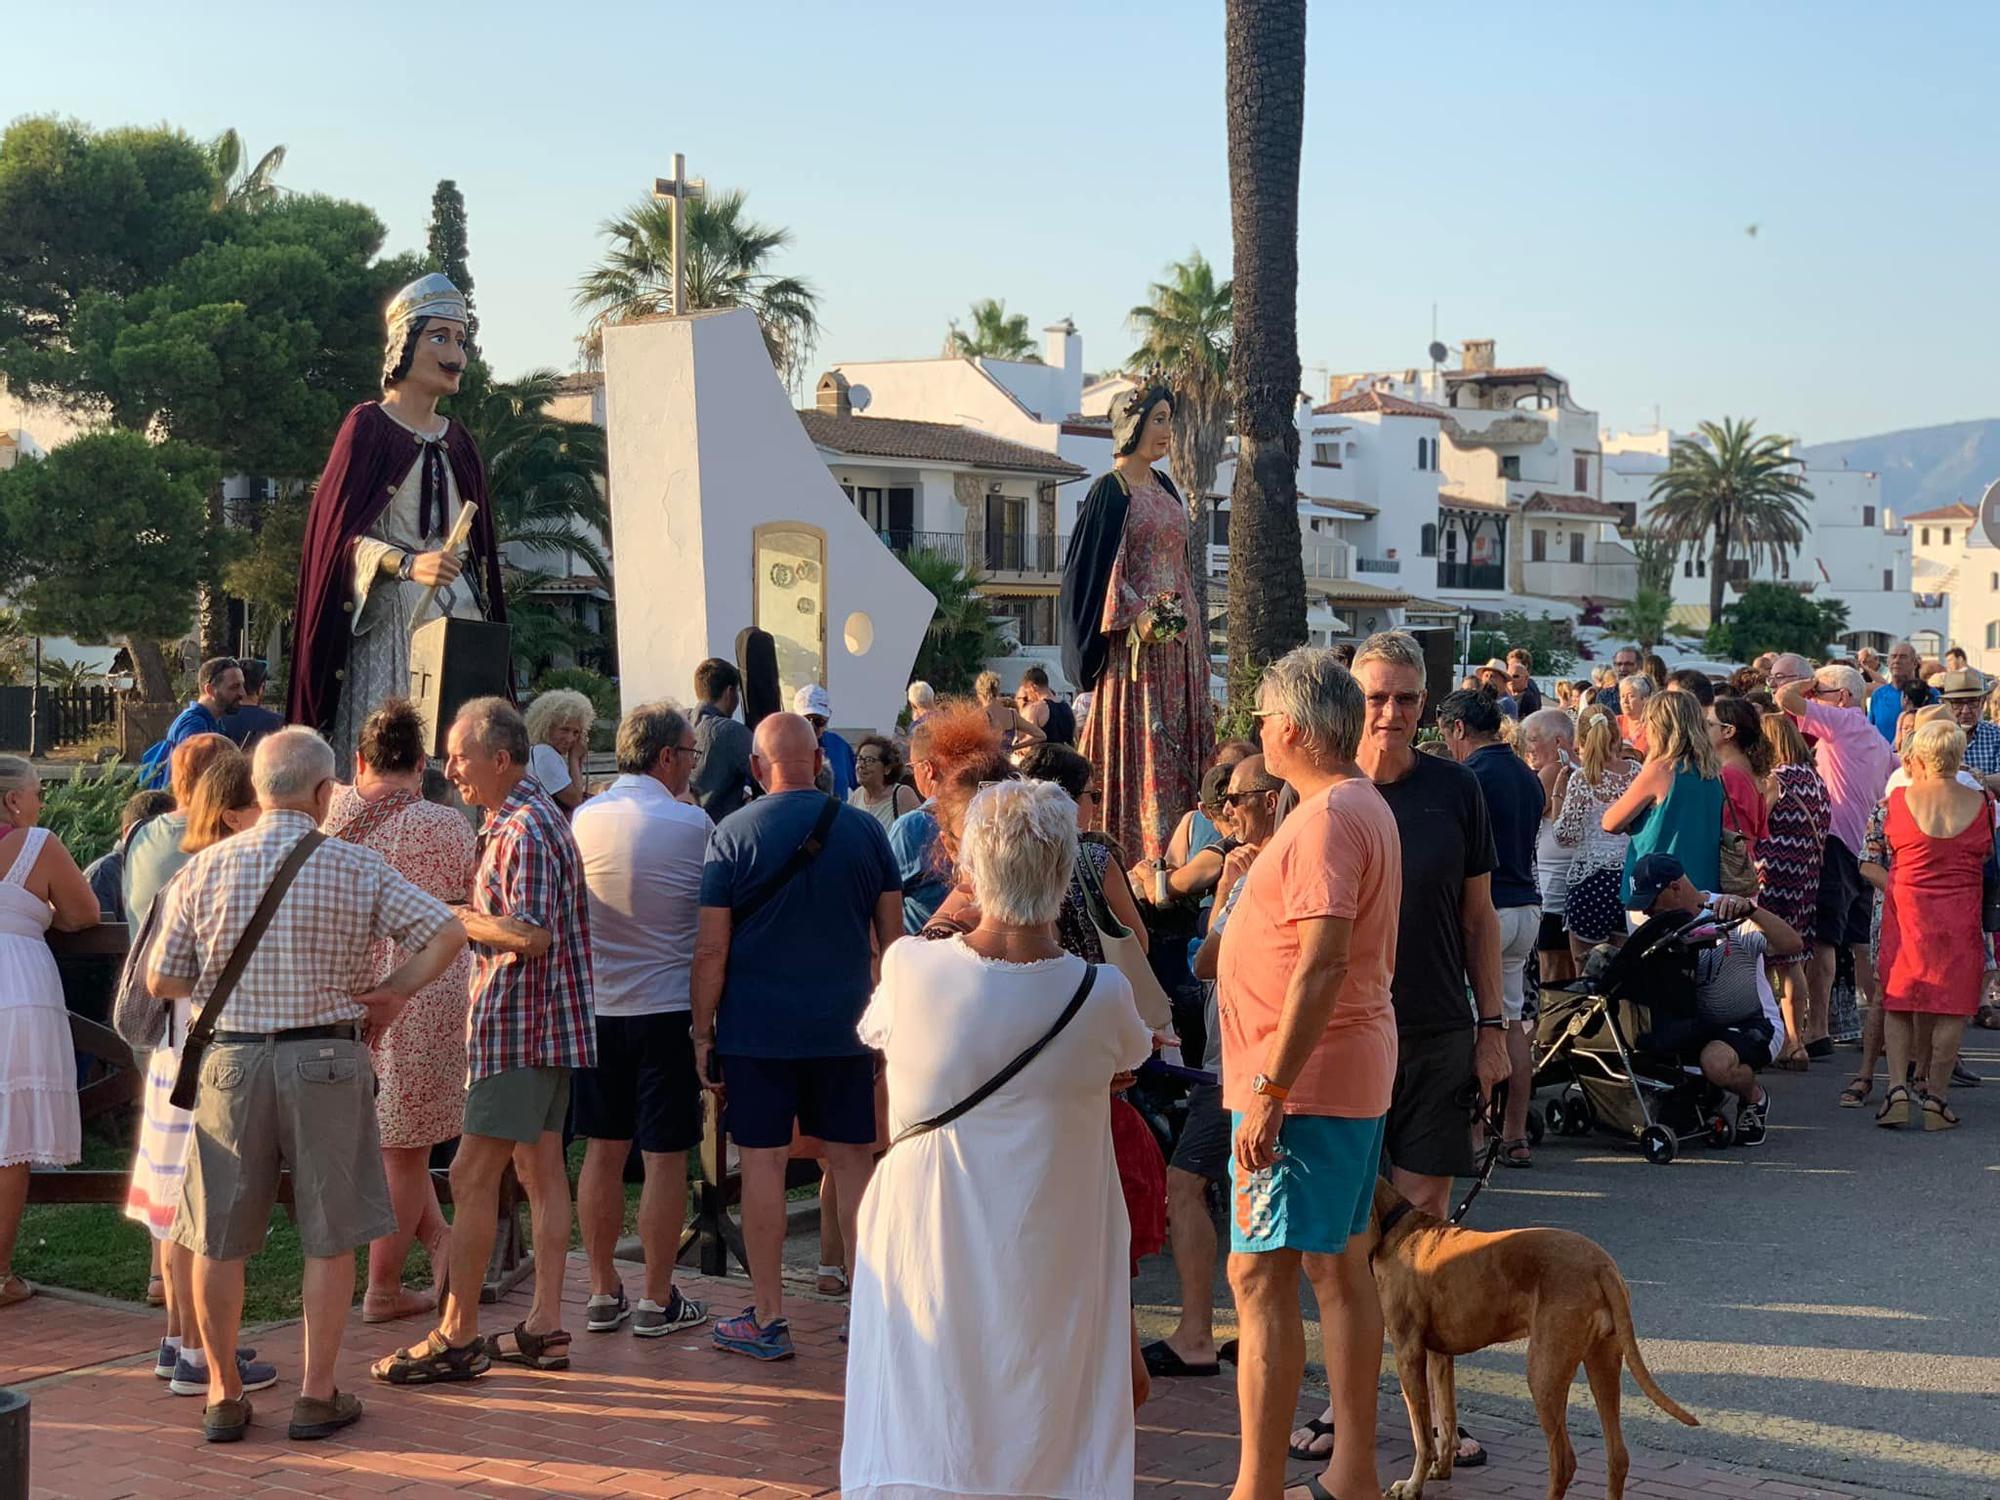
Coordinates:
(1855, 549)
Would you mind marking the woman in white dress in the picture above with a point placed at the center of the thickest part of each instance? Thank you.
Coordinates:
(991, 1350)
(42, 887)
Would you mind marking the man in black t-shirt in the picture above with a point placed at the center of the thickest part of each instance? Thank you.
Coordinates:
(1448, 932)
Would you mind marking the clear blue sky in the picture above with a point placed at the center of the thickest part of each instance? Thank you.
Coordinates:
(1574, 180)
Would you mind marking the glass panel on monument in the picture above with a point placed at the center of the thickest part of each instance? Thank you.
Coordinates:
(790, 592)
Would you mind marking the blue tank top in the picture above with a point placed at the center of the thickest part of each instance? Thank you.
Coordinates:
(1687, 824)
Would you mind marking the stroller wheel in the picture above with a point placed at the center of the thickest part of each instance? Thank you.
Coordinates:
(1553, 1114)
(1534, 1127)
(1579, 1117)
(1658, 1144)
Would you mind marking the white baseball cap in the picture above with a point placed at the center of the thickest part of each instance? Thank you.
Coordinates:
(812, 699)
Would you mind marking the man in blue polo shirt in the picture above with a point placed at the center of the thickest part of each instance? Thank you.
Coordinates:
(219, 688)
(798, 893)
(1885, 704)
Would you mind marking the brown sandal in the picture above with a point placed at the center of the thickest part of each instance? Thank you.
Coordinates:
(538, 1351)
(436, 1361)
(1856, 1093)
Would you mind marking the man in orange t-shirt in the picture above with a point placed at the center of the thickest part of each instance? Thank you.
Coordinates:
(1308, 1061)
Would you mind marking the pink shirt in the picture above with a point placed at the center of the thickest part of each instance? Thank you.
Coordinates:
(1854, 761)
(1336, 856)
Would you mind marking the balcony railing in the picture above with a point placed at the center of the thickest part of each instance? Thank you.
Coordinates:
(1460, 575)
(989, 553)
(1377, 564)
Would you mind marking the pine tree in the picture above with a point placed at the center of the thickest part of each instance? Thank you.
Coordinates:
(448, 251)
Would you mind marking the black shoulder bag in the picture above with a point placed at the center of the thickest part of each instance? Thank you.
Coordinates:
(187, 1082)
(1002, 1078)
(805, 854)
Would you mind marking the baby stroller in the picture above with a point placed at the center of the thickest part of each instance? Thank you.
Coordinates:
(1595, 1043)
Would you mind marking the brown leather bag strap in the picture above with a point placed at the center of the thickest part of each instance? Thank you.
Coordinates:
(202, 1032)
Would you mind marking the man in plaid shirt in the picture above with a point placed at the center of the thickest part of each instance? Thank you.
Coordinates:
(1964, 694)
(288, 1081)
(531, 1023)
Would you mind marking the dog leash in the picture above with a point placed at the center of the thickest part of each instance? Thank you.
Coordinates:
(1492, 1115)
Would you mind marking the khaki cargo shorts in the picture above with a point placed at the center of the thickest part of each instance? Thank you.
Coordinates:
(265, 1106)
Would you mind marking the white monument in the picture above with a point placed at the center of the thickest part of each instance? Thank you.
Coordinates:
(723, 515)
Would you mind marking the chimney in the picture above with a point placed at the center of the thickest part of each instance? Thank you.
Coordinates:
(1478, 355)
(832, 397)
(1063, 350)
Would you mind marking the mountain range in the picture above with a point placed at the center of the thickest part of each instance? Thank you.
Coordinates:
(1921, 467)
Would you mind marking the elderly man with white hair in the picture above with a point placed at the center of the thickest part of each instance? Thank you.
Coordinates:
(286, 1081)
(1854, 761)
(993, 1240)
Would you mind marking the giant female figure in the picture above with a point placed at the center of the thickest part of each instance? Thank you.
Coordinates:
(1127, 637)
(380, 520)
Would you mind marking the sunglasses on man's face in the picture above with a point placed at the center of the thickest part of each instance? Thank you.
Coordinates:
(1237, 799)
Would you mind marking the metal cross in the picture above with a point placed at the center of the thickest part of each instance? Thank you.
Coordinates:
(677, 190)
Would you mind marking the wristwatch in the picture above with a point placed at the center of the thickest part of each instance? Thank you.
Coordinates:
(1262, 1085)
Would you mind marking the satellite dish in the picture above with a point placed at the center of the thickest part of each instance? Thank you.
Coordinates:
(1438, 352)
(1989, 513)
(858, 397)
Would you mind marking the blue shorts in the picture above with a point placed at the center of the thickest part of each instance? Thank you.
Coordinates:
(832, 1098)
(1319, 1193)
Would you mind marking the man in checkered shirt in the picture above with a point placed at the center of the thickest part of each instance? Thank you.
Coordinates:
(287, 1082)
(531, 1023)
(1964, 694)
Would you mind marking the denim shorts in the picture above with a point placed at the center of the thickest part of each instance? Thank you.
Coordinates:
(1319, 1192)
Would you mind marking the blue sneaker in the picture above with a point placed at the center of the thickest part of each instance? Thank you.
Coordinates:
(190, 1379)
(170, 1354)
(742, 1335)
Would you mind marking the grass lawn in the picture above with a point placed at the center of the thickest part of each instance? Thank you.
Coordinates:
(95, 1248)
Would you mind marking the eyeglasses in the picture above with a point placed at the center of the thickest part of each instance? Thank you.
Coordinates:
(1091, 792)
(684, 750)
(1232, 799)
(868, 760)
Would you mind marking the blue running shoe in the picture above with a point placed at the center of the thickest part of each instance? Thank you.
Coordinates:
(742, 1335)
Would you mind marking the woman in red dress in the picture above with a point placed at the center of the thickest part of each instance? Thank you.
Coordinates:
(1939, 834)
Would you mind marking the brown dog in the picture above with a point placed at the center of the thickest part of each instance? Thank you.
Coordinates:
(1448, 1291)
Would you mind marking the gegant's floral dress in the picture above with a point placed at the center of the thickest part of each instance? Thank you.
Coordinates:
(1150, 729)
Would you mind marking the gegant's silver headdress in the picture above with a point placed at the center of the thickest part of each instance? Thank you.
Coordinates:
(431, 296)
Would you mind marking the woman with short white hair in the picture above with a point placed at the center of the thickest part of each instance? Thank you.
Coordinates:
(559, 721)
(1928, 974)
(994, 1236)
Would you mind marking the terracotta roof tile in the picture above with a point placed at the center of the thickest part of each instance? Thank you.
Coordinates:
(1379, 401)
(937, 442)
(1958, 510)
(1574, 505)
(1505, 372)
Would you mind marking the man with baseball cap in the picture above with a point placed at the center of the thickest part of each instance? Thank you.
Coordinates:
(1736, 1023)
(812, 704)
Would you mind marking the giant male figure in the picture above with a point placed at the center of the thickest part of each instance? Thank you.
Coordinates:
(377, 531)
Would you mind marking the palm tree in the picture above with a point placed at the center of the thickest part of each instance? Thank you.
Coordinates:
(1264, 98)
(235, 187)
(1185, 328)
(1739, 493)
(66, 676)
(961, 634)
(544, 474)
(995, 334)
(536, 629)
(1643, 618)
(726, 264)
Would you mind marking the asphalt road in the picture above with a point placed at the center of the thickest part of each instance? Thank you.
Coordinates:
(1824, 1303)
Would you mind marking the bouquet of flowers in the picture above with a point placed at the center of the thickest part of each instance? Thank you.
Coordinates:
(1163, 619)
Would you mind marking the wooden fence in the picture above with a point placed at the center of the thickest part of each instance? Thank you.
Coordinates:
(66, 716)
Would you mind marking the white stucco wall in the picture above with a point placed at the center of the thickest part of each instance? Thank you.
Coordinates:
(705, 448)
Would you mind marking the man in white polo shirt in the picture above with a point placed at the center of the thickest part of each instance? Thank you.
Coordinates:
(642, 853)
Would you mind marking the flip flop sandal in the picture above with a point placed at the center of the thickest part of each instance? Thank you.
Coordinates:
(433, 1362)
(14, 1289)
(1226, 1352)
(1895, 1108)
(1516, 1154)
(1161, 1360)
(1314, 1488)
(1477, 1460)
(537, 1351)
(1856, 1093)
(1319, 1430)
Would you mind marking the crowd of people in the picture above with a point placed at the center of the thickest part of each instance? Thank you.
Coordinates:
(1341, 945)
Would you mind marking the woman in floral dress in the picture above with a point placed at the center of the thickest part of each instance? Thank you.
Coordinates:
(1788, 861)
(1151, 724)
(420, 1061)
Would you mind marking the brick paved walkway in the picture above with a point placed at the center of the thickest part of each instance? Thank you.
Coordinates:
(666, 1418)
